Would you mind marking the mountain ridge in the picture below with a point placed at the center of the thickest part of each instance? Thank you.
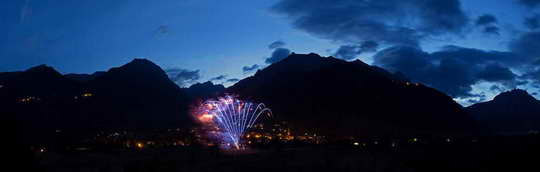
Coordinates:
(321, 86)
(137, 95)
(510, 112)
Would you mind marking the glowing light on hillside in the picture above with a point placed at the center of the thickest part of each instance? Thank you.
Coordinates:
(87, 95)
(139, 145)
(28, 99)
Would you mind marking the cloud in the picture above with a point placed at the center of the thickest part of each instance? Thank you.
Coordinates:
(453, 70)
(477, 99)
(492, 30)
(276, 44)
(488, 23)
(278, 55)
(248, 69)
(495, 88)
(164, 29)
(486, 19)
(476, 56)
(390, 22)
(349, 52)
(404, 59)
(527, 45)
(233, 80)
(529, 3)
(26, 11)
(532, 22)
(496, 73)
(534, 76)
(218, 78)
(183, 77)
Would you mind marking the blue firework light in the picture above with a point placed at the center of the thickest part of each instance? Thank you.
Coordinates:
(232, 117)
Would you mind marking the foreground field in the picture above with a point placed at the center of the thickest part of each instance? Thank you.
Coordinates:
(451, 157)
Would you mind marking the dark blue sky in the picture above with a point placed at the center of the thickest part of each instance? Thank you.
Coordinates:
(495, 45)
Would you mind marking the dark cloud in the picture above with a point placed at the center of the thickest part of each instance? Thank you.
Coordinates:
(488, 23)
(486, 19)
(409, 60)
(453, 77)
(476, 56)
(529, 3)
(473, 101)
(496, 73)
(349, 52)
(183, 77)
(534, 76)
(278, 55)
(218, 78)
(163, 29)
(248, 69)
(393, 22)
(276, 44)
(448, 75)
(527, 46)
(532, 22)
(495, 88)
(233, 80)
(452, 70)
(369, 46)
(477, 99)
(492, 30)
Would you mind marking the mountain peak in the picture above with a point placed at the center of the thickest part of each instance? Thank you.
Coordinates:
(205, 90)
(141, 61)
(42, 70)
(308, 86)
(304, 56)
(511, 112)
(140, 72)
(513, 95)
(140, 67)
(206, 84)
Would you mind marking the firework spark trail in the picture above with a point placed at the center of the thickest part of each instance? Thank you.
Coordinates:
(233, 117)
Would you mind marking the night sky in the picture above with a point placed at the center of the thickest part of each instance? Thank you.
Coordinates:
(471, 50)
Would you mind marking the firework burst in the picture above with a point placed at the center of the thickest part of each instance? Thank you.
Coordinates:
(231, 116)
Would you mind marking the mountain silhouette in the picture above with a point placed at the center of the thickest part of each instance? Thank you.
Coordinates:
(511, 112)
(42, 80)
(38, 99)
(314, 94)
(138, 95)
(335, 97)
(84, 77)
(200, 91)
